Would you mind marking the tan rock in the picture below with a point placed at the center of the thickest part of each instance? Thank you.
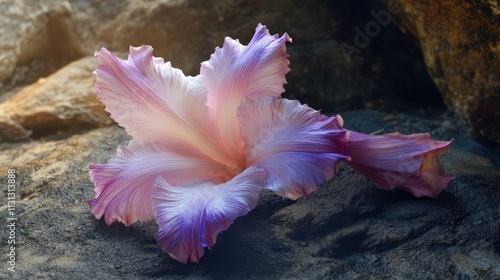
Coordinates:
(462, 51)
(65, 100)
(34, 31)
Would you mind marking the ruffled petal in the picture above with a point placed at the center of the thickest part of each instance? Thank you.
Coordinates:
(154, 101)
(293, 143)
(397, 161)
(124, 185)
(191, 217)
(236, 71)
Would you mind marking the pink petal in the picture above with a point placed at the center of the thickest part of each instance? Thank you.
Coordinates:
(191, 217)
(124, 185)
(236, 71)
(155, 102)
(397, 161)
(293, 143)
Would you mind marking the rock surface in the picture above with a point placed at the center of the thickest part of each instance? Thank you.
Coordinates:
(64, 101)
(382, 68)
(461, 49)
(52, 127)
(52, 33)
(35, 38)
(345, 230)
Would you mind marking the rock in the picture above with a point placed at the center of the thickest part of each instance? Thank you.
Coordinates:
(321, 75)
(50, 34)
(346, 229)
(461, 49)
(35, 39)
(65, 100)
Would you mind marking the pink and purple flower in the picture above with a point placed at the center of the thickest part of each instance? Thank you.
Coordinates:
(204, 147)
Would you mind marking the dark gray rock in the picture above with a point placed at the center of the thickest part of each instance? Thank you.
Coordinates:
(347, 229)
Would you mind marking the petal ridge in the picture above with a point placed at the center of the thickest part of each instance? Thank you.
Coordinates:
(398, 161)
(155, 102)
(297, 146)
(190, 218)
(124, 185)
(236, 71)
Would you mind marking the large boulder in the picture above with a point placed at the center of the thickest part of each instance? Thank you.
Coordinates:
(460, 43)
(36, 38)
(65, 100)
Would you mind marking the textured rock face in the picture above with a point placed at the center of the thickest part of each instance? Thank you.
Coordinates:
(347, 229)
(52, 33)
(461, 49)
(64, 101)
(52, 127)
(383, 67)
(35, 38)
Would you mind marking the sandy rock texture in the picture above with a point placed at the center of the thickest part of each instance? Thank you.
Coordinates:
(35, 38)
(462, 52)
(65, 100)
(345, 230)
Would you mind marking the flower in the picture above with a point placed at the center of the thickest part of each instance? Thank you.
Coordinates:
(397, 161)
(204, 147)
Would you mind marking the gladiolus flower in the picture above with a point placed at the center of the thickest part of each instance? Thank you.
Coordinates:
(397, 161)
(204, 147)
